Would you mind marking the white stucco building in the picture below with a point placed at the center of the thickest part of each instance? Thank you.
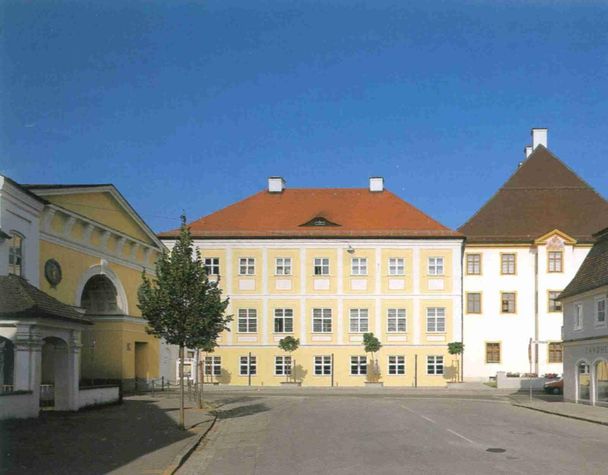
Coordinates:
(523, 247)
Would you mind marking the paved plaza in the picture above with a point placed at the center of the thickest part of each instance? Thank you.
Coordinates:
(345, 434)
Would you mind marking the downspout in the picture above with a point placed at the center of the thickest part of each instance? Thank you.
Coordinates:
(536, 323)
(462, 264)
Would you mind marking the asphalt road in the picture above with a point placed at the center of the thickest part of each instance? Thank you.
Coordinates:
(346, 435)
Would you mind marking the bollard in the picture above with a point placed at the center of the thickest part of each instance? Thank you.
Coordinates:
(162, 383)
(152, 388)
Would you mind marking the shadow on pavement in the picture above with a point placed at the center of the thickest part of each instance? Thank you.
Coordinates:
(92, 442)
(242, 411)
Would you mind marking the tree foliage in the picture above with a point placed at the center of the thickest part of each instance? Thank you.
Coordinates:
(289, 344)
(371, 343)
(455, 348)
(181, 304)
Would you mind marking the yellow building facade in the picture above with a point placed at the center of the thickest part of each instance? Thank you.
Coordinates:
(326, 267)
(93, 249)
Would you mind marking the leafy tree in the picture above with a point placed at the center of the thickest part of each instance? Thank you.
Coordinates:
(372, 345)
(456, 348)
(290, 344)
(181, 304)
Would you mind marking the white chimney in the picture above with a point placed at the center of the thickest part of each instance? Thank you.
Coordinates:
(276, 184)
(376, 183)
(539, 137)
(528, 150)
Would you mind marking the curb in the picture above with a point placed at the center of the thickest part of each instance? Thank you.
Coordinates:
(593, 421)
(180, 458)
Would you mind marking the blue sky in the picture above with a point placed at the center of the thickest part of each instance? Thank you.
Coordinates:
(190, 106)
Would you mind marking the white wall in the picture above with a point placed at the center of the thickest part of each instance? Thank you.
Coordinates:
(18, 406)
(97, 396)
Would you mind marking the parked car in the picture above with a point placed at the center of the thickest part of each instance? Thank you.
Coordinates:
(555, 387)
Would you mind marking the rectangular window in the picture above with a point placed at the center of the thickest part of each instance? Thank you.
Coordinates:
(492, 352)
(507, 264)
(15, 255)
(600, 311)
(396, 320)
(212, 265)
(282, 365)
(556, 352)
(474, 264)
(473, 302)
(248, 366)
(435, 320)
(283, 320)
(248, 320)
(283, 266)
(213, 365)
(321, 320)
(434, 365)
(507, 302)
(359, 320)
(555, 261)
(435, 265)
(246, 266)
(321, 266)
(322, 365)
(396, 266)
(578, 316)
(554, 304)
(359, 266)
(396, 365)
(358, 365)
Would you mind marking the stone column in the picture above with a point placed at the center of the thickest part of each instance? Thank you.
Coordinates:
(28, 362)
(73, 371)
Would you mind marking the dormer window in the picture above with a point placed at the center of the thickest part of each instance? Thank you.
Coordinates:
(319, 221)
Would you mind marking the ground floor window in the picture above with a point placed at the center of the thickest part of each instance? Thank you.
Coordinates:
(434, 365)
(358, 365)
(492, 352)
(282, 365)
(584, 382)
(248, 366)
(322, 365)
(601, 382)
(396, 365)
(213, 365)
(555, 352)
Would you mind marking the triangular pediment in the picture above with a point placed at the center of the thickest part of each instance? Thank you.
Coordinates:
(319, 221)
(554, 237)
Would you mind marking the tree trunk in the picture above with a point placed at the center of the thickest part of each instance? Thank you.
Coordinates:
(181, 387)
(201, 380)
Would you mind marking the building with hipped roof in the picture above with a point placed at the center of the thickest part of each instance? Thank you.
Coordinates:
(585, 328)
(522, 248)
(326, 266)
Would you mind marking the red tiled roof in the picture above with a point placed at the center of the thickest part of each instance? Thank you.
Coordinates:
(349, 212)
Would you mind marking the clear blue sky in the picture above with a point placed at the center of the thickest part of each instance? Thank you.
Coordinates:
(191, 105)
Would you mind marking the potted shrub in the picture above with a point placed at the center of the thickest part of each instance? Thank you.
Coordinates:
(290, 344)
(456, 348)
(372, 345)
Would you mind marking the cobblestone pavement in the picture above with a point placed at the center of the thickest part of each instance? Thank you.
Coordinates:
(278, 434)
(138, 437)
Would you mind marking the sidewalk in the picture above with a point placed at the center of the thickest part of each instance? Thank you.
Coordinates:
(597, 415)
(139, 436)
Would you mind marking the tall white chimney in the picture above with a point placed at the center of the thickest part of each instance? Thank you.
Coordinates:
(276, 184)
(539, 137)
(376, 183)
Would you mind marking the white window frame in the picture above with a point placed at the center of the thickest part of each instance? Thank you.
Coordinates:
(596, 311)
(555, 262)
(360, 363)
(321, 264)
(471, 265)
(247, 364)
(358, 266)
(436, 265)
(212, 265)
(246, 265)
(435, 320)
(395, 365)
(282, 365)
(249, 318)
(322, 319)
(213, 365)
(506, 264)
(16, 253)
(322, 365)
(284, 315)
(396, 266)
(399, 316)
(578, 316)
(358, 321)
(435, 362)
(282, 266)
